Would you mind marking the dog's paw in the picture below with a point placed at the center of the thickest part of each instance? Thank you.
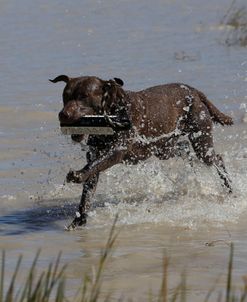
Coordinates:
(74, 176)
(79, 220)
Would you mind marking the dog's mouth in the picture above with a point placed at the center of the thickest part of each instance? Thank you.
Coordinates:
(77, 137)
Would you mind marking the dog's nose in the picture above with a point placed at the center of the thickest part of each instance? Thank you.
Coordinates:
(63, 116)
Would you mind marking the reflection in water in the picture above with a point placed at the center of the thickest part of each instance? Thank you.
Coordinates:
(33, 220)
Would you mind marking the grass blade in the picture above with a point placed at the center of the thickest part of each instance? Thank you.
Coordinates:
(2, 276)
(163, 291)
(176, 293)
(183, 288)
(60, 291)
(107, 250)
(229, 274)
(10, 292)
(211, 290)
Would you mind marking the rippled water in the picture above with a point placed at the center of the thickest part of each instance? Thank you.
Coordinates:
(162, 205)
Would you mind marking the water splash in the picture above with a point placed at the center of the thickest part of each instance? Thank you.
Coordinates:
(168, 192)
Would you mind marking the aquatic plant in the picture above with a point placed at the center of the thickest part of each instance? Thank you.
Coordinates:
(35, 288)
(236, 21)
(50, 284)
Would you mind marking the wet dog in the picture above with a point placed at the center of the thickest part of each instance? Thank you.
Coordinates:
(159, 116)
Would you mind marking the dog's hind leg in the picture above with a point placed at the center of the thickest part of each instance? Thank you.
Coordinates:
(202, 143)
(221, 169)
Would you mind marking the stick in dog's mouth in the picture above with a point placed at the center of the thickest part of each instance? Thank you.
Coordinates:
(96, 125)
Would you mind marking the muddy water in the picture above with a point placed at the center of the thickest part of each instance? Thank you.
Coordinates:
(163, 206)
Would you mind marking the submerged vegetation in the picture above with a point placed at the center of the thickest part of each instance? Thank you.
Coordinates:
(50, 285)
(236, 21)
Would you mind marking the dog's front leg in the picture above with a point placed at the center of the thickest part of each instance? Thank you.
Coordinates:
(89, 188)
(90, 175)
(112, 158)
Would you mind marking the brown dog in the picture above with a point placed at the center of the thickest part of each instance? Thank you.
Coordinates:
(159, 116)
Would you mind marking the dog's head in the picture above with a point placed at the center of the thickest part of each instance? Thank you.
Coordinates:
(88, 96)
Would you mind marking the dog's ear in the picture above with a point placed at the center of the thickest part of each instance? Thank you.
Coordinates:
(112, 94)
(111, 84)
(61, 78)
(119, 81)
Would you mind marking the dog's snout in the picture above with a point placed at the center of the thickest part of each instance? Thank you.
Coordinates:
(73, 111)
(63, 116)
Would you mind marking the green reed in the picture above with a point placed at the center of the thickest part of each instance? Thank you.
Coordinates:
(35, 288)
(50, 285)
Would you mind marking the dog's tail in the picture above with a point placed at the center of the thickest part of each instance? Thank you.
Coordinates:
(61, 78)
(216, 115)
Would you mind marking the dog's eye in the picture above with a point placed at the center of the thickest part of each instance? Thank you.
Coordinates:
(83, 96)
